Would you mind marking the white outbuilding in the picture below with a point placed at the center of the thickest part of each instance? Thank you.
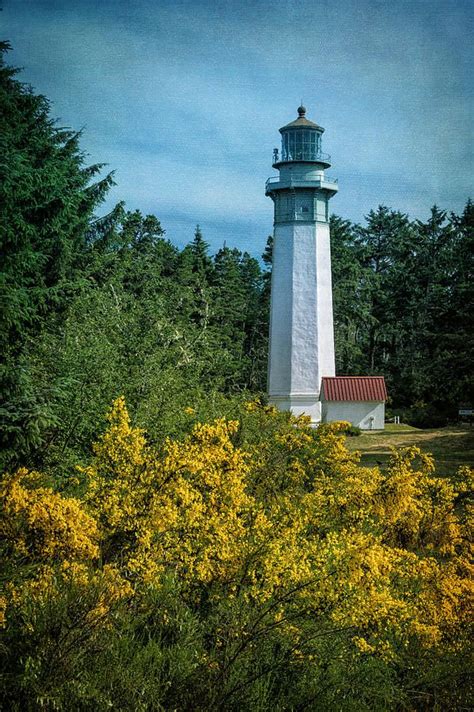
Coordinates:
(357, 399)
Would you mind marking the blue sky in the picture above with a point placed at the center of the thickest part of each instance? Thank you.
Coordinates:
(183, 99)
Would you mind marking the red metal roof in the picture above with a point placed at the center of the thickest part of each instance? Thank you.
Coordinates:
(354, 388)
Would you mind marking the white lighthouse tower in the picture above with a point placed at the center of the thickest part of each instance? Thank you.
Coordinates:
(301, 318)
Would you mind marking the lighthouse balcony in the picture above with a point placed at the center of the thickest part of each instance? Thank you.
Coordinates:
(276, 183)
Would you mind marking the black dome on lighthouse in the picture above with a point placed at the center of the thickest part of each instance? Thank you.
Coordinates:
(302, 122)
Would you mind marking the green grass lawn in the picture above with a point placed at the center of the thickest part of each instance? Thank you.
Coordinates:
(450, 447)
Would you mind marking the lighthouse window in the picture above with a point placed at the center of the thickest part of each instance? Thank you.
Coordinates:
(300, 145)
(292, 146)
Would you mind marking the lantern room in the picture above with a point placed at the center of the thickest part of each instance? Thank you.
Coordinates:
(301, 141)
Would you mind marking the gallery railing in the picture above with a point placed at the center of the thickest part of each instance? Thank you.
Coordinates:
(308, 155)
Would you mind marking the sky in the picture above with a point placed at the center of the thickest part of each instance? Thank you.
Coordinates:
(183, 99)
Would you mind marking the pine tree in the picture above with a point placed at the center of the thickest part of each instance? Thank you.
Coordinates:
(47, 204)
(351, 301)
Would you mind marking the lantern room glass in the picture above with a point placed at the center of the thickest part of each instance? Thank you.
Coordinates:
(300, 145)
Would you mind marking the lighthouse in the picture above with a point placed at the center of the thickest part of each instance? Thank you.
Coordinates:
(301, 350)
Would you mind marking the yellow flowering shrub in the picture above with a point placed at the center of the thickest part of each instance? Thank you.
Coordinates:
(184, 508)
(51, 582)
(38, 524)
(50, 542)
(281, 532)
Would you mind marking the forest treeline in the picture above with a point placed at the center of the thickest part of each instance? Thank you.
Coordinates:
(403, 303)
(198, 550)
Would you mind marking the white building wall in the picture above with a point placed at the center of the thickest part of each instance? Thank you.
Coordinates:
(301, 319)
(305, 327)
(327, 362)
(300, 171)
(367, 415)
(279, 358)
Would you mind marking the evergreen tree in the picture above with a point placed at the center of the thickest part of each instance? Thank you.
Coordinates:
(387, 233)
(47, 201)
(237, 290)
(351, 303)
(451, 339)
(403, 307)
